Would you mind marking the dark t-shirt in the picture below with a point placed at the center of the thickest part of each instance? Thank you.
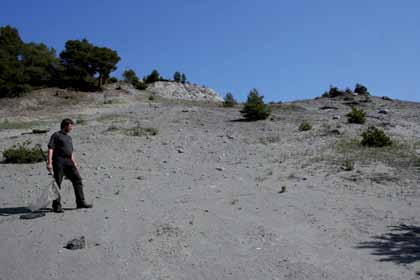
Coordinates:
(62, 144)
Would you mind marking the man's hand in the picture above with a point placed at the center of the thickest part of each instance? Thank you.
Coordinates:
(49, 168)
(74, 161)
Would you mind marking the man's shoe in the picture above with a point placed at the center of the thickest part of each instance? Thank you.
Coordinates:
(84, 205)
(58, 209)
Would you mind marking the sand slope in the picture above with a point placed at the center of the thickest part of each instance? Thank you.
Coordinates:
(200, 200)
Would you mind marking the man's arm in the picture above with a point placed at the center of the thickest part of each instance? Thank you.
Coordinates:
(74, 160)
(49, 161)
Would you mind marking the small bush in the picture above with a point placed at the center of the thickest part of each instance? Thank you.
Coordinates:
(356, 116)
(254, 108)
(151, 97)
(140, 85)
(130, 76)
(141, 131)
(229, 100)
(374, 137)
(361, 89)
(333, 92)
(21, 153)
(348, 165)
(305, 126)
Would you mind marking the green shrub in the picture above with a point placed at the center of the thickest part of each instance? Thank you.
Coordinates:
(22, 153)
(348, 165)
(229, 100)
(374, 137)
(130, 76)
(151, 97)
(140, 85)
(305, 125)
(333, 92)
(361, 89)
(141, 131)
(254, 108)
(356, 116)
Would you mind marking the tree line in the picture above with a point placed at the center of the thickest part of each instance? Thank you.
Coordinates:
(24, 66)
(81, 66)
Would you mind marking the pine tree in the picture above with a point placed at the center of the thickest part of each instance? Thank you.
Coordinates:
(254, 108)
(229, 100)
(183, 78)
(177, 77)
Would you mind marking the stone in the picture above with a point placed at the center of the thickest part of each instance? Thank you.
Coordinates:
(383, 111)
(76, 244)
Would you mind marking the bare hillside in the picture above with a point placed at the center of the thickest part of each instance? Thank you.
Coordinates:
(211, 196)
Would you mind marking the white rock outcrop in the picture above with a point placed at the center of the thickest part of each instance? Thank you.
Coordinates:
(173, 90)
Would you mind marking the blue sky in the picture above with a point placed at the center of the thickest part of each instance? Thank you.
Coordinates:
(288, 50)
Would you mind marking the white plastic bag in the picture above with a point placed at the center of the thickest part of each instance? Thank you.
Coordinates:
(48, 194)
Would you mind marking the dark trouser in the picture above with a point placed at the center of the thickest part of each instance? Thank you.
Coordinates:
(65, 167)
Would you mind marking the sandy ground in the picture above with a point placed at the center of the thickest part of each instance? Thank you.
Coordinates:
(202, 199)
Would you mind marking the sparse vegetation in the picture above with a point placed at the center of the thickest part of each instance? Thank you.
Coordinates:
(254, 108)
(356, 116)
(141, 131)
(400, 155)
(22, 153)
(281, 107)
(229, 100)
(374, 137)
(112, 118)
(19, 125)
(305, 125)
(134, 131)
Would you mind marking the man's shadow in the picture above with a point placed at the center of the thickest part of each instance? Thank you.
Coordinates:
(11, 211)
(14, 211)
(401, 245)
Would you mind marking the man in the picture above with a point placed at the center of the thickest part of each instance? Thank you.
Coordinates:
(61, 161)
